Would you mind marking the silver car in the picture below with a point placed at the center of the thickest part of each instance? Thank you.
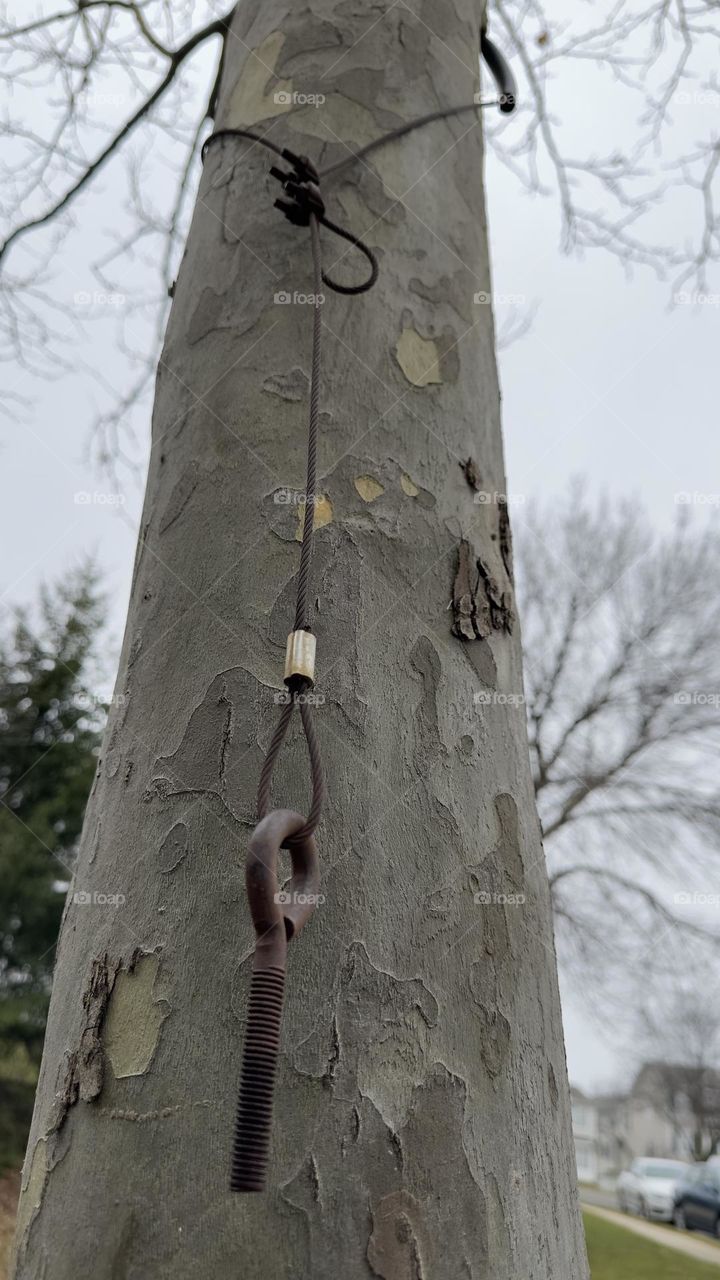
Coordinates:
(648, 1187)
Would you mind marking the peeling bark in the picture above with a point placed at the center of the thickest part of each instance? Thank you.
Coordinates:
(422, 1123)
(471, 471)
(85, 1065)
(479, 605)
(505, 537)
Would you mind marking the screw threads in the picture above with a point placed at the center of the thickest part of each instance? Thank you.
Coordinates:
(277, 917)
(253, 1122)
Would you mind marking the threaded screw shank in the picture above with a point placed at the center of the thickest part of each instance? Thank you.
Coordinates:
(251, 1145)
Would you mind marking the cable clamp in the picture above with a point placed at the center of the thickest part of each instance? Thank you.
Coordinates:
(301, 188)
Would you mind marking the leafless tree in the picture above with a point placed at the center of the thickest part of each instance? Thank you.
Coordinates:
(622, 676)
(680, 1032)
(90, 81)
(656, 60)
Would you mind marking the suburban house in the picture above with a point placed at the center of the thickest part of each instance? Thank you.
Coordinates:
(585, 1126)
(669, 1111)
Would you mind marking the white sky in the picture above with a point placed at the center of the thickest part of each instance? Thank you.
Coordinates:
(609, 382)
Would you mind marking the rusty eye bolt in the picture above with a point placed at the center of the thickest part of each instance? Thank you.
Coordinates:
(277, 917)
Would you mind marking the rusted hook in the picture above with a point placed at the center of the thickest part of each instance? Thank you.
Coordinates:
(278, 915)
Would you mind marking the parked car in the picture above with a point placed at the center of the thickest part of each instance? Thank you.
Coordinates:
(697, 1199)
(648, 1187)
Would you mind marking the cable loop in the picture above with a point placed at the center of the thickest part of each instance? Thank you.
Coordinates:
(301, 187)
(295, 698)
(303, 200)
(374, 269)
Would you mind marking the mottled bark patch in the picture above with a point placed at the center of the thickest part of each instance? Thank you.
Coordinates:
(395, 1251)
(180, 496)
(322, 515)
(455, 913)
(368, 487)
(427, 742)
(509, 847)
(216, 745)
(288, 386)
(418, 358)
(503, 872)
(348, 1055)
(134, 1019)
(408, 486)
(479, 604)
(494, 1039)
(251, 99)
(35, 1176)
(174, 848)
(341, 117)
(417, 1231)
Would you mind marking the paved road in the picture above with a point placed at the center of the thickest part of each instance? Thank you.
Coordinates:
(692, 1246)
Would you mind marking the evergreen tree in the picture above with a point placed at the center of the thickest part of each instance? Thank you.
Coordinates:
(50, 727)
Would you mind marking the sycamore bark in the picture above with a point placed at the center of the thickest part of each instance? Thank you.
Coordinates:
(422, 1118)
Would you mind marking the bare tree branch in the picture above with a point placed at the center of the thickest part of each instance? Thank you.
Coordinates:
(175, 61)
(72, 58)
(623, 690)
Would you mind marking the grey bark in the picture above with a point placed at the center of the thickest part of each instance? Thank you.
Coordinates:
(422, 1118)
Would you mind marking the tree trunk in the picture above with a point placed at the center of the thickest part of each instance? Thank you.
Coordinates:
(422, 1117)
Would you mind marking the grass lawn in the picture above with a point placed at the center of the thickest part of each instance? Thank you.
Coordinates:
(617, 1254)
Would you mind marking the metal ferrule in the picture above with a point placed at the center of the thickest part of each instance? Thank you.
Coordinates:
(300, 656)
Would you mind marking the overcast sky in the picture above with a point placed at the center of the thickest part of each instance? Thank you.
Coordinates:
(610, 381)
